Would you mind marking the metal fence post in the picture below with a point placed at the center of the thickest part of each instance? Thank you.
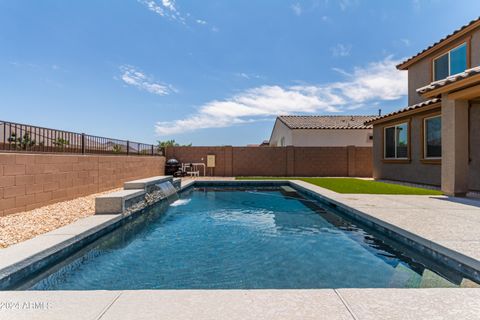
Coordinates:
(128, 147)
(83, 143)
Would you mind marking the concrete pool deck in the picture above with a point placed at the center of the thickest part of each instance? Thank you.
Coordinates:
(452, 223)
(345, 304)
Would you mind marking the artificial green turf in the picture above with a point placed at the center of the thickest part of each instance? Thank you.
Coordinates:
(352, 185)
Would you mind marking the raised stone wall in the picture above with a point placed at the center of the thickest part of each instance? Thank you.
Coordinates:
(29, 181)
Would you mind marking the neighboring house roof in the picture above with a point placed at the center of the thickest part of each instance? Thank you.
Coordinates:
(447, 39)
(326, 122)
(264, 143)
(415, 107)
(454, 78)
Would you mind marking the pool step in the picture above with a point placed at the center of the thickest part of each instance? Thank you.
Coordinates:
(117, 202)
(289, 191)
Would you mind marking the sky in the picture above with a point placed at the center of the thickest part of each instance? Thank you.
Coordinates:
(209, 72)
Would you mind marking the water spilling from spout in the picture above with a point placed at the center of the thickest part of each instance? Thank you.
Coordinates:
(166, 188)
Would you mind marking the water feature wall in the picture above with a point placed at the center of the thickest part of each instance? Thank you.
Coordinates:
(137, 195)
(166, 188)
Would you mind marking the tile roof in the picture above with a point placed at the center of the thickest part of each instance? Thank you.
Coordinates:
(440, 41)
(454, 78)
(409, 108)
(326, 122)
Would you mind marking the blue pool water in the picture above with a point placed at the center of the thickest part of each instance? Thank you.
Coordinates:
(239, 239)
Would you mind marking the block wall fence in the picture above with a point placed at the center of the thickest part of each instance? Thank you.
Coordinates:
(290, 161)
(29, 181)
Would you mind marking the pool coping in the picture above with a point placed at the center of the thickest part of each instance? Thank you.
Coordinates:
(31, 256)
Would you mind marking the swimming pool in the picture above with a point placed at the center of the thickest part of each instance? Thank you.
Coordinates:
(243, 238)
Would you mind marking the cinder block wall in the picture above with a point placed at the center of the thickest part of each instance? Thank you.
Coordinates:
(280, 161)
(29, 181)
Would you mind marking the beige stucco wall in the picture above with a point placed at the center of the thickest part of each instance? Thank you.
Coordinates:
(332, 138)
(415, 171)
(418, 76)
(455, 150)
(475, 51)
(280, 130)
(419, 73)
(474, 165)
(319, 138)
(418, 172)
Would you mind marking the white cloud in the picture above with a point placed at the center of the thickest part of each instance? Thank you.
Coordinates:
(243, 75)
(297, 9)
(345, 4)
(138, 79)
(406, 42)
(341, 50)
(378, 81)
(168, 9)
(248, 76)
(342, 72)
(164, 8)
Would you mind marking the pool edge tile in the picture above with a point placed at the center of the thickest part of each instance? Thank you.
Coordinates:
(22, 257)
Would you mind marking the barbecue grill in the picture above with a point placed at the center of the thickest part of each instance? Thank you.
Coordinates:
(172, 168)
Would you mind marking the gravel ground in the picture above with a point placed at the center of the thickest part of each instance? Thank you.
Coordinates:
(25, 225)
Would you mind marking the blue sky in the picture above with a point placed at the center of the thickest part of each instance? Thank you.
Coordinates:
(208, 72)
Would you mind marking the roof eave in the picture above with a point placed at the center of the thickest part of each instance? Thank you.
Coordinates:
(405, 114)
(449, 39)
(279, 118)
(453, 86)
(335, 128)
(293, 127)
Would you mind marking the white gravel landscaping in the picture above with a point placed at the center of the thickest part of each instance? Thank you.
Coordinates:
(25, 225)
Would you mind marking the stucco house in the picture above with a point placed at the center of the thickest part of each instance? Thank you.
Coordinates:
(322, 131)
(436, 139)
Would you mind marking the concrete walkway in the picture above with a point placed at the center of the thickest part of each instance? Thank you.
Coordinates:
(243, 304)
(450, 222)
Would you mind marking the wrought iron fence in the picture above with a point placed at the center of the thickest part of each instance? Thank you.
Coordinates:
(16, 137)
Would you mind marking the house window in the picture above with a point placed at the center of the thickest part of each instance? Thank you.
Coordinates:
(282, 142)
(396, 141)
(433, 137)
(452, 62)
